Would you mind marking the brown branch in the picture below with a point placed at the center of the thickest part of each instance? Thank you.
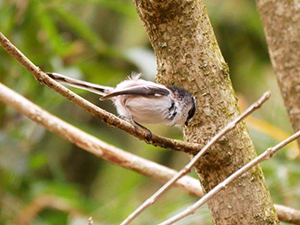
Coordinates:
(151, 200)
(263, 157)
(288, 214)
(101, 114)
(111, 153)
(92, 144)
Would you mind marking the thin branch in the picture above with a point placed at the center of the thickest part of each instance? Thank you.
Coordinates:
(113, 154)
(94, 145)
(189, 166)
(263, 157)
(103, 115)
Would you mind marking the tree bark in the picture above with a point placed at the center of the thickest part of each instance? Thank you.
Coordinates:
(281, 21)
(188, 55)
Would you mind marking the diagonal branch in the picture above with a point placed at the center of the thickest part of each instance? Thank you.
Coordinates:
(113, 154)
(93, 145)
(103, 115)
(189, 166)
(263, 157)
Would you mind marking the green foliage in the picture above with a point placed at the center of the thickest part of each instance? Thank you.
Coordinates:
(91, 40)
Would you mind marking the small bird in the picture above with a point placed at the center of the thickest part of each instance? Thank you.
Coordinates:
(141, 101)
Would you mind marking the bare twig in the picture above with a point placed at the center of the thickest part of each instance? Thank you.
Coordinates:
(189, 166)
(288, 214)
(103, 115)
(113, 154)
(263, 157)
(92, 144)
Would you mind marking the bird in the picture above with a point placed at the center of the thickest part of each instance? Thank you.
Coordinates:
(140, 101)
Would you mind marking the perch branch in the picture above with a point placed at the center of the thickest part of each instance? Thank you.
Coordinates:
(189, 166)
(103, 115)
(113, 154)
(92, 144)
(263, 157)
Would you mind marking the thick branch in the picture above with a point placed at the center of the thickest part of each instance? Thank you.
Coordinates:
(188, 55)
(103, 115)
(281, 21)
(111, 153)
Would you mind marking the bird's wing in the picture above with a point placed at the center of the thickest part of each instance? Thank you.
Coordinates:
(139, 90)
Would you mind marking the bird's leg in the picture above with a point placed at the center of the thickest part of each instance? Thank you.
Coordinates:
(138, 126)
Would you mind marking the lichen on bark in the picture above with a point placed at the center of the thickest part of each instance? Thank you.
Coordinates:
(188, 55)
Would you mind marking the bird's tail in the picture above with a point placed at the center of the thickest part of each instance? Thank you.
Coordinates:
(95, 88)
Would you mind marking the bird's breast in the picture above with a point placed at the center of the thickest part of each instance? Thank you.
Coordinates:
(148, 109)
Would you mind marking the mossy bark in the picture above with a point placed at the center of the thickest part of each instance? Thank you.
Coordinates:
(188, 55)
(281, 21)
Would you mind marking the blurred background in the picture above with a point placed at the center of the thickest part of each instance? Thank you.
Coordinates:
(103, 41)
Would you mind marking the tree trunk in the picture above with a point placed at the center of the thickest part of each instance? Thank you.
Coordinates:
(281, 21)
(189, 56)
